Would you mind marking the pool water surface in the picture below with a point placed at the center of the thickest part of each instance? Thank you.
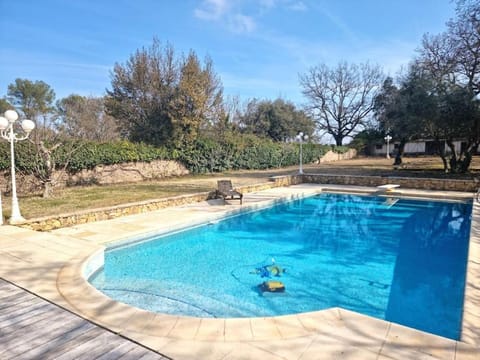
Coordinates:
(401, 260)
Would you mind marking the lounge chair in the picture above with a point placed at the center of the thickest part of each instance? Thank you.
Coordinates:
(225, 190)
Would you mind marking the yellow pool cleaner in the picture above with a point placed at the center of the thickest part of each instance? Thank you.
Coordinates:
(269, 270)
(272, 286)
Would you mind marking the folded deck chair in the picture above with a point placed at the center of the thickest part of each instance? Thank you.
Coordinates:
(225, 190)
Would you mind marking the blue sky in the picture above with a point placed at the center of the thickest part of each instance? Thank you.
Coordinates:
(258, 47)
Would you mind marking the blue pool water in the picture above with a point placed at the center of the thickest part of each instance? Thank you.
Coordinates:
(395, 259)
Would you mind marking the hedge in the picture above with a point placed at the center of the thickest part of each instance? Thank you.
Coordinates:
(207, 154)
(245, 152)
(80, 155)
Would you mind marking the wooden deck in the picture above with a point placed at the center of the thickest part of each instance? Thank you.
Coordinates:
(32, 328)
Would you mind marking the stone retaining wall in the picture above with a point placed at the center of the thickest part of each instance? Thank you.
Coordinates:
(129, 172)
(333, 156)
(101, 174)
(414, 183)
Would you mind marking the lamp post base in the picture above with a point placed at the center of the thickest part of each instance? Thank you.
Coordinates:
(16, 220)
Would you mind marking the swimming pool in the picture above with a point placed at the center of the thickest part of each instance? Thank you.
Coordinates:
(396, 259)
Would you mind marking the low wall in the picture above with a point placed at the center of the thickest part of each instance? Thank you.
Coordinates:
(101, 174)
(128, 172)
(414, 183)
(333, 156)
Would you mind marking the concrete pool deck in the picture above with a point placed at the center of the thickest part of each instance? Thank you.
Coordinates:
(50, 264)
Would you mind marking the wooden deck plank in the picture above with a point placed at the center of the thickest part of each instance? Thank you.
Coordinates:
(7, 297)
(7, 306)
(148, 356)
(9, 355)
(25, 320)
(14, 300)
(33, 328)
(66, 347)
(63, 342)
(36, 319)
(118, 352)
(92, 348)
(39, 333)
(7, 292)
(138, 353)
(9, 318)
(6, 289)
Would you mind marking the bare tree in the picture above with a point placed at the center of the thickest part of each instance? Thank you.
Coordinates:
(452, 58)
(452, 61)
(341, 98)
(85, 118)
(35, 101)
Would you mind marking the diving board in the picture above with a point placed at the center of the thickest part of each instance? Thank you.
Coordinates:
(388, 187)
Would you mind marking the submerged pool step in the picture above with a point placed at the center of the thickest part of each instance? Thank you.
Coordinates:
(170, 297)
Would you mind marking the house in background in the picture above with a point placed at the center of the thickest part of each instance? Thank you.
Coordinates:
(417, 147)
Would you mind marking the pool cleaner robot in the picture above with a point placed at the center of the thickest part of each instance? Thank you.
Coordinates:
(272, 286)
(268, 271)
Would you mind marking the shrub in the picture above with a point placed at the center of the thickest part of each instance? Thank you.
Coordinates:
(77, 155)
(245, 152)
(206, 154)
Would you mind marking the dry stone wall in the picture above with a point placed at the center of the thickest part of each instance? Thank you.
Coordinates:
(129, 172)
(102, 174)
(413, 183)
(333, 156)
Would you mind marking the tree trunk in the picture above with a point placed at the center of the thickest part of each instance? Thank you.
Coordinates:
(399, 154)
(465, 163)
(47, 189)
(460, 164)
(441, 152)
(48, 167)
(453, 157)
(445, 163)
(338, 140)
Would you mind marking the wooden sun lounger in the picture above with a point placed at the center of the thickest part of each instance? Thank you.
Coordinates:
(226, 191)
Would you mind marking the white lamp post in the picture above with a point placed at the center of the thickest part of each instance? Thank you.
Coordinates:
(7, 132)
(301, 137)
(387, 139)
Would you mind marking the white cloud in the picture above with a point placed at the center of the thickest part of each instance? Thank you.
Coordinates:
(267, 3)
(211, 9)
(241, 23)
(225, 12)
(298, 6)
